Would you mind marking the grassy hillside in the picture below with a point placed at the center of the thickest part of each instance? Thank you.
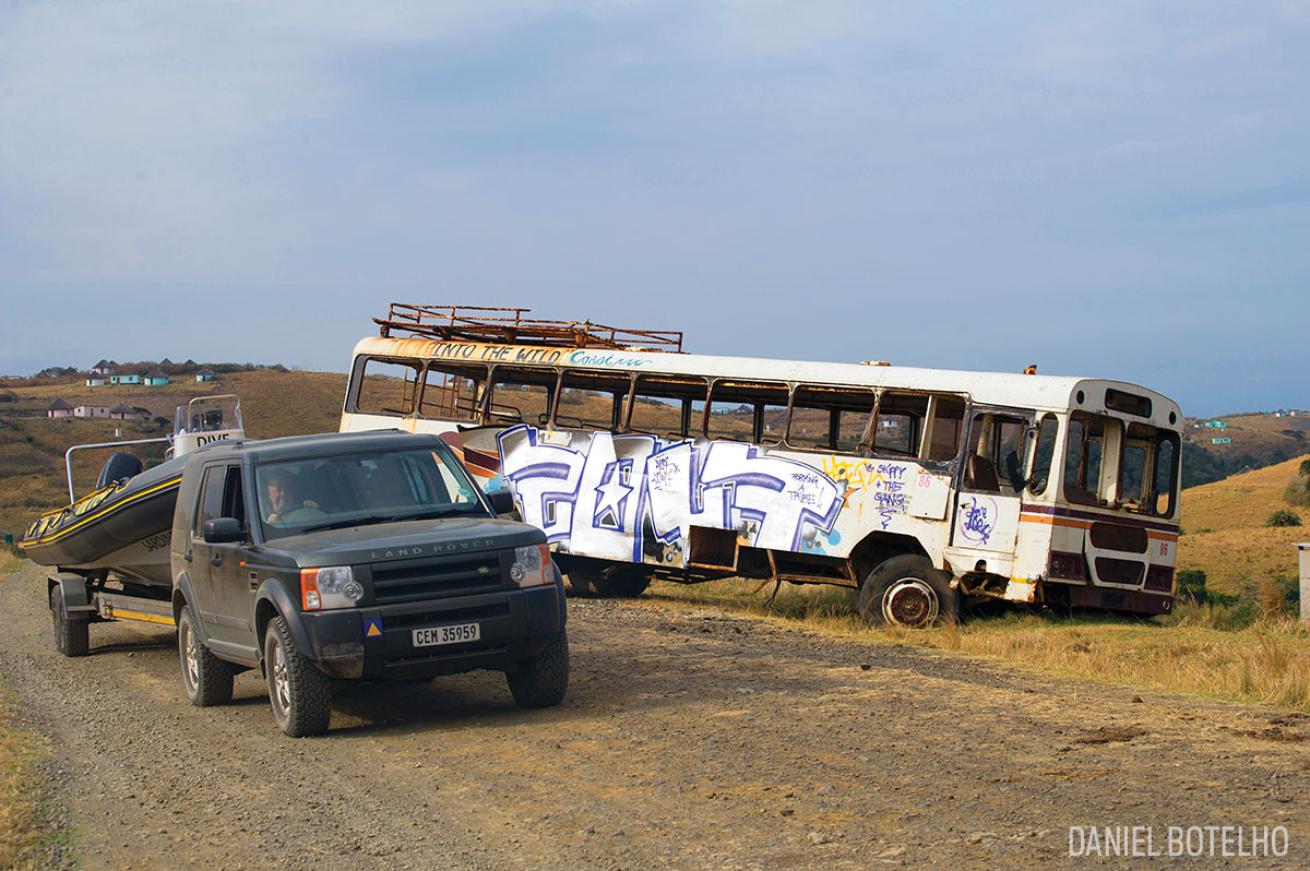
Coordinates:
(1225, 532)
(32, 446)
(1257, 440)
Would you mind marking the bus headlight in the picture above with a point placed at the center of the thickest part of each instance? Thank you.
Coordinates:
(332, 587)
(532, 566)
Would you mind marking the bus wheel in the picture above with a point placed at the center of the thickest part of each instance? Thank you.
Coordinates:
(622, 582)
(907, 591)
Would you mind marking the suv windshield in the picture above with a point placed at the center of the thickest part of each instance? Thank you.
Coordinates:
(358, 489)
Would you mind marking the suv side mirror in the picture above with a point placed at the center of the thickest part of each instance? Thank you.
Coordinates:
(223, 530)
(502, 501)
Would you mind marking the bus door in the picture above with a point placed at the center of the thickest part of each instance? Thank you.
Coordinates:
(991, 483)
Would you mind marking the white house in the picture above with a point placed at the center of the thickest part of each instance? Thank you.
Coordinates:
(104, 367)
(94, 380)
(59, 408)
(91, 411)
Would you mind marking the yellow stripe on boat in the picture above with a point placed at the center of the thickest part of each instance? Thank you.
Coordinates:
(110, 510)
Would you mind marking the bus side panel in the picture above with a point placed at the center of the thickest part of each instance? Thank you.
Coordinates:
(635, 497)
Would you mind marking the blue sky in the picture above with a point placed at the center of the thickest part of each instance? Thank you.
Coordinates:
(1109, 189)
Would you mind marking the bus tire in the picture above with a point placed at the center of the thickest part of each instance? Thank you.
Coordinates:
(72, 637)
(906, 591)
(621, 581)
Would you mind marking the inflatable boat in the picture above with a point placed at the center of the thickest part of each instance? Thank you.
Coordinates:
(125, 525)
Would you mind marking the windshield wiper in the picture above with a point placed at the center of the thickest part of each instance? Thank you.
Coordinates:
(441, 512)
(353, 521)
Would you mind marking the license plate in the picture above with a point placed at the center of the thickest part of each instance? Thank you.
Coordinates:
(457, 634)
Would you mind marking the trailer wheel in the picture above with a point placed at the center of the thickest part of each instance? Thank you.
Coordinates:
(907, 591)
(72, 637)
(300, 694)
(206, 678)
(543, 680)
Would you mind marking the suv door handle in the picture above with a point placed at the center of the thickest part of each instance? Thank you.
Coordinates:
(216, 559)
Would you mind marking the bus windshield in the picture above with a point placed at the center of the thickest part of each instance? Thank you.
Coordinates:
(359, 489)
(1127, 466)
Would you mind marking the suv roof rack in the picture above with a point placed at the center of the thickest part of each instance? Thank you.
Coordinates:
(476, 323)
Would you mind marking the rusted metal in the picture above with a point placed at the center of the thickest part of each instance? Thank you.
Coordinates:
(471, 323)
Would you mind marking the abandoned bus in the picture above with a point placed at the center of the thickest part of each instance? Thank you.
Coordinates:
(923, 488)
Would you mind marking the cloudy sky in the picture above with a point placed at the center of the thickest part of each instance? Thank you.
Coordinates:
(1109, 189)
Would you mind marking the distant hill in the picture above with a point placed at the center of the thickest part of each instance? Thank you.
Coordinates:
(32, 446)
(1216, 447)
(1225, 535)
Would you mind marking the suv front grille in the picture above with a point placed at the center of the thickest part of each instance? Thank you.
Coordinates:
(457, 576)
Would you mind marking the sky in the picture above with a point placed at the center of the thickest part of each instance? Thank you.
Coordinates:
(1108, 189)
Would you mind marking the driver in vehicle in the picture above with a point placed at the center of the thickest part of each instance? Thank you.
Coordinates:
(278, 494)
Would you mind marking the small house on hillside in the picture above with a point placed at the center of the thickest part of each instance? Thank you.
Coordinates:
(205, 375)
(94, 380)
(104, 367)
(91, 411)
(125, 378)
(127, 412)
(1217, 424)
(59, 408)
(155, 378)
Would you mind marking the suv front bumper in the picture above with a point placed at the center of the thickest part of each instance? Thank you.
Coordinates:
(513, 625)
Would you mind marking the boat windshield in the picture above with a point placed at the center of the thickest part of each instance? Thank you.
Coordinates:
(359, 489)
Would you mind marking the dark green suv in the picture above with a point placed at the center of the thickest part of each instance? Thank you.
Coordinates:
(356, 556)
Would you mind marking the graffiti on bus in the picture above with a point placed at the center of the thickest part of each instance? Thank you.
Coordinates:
(622, 496)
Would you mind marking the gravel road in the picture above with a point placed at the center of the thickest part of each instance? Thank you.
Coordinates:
(690, 738)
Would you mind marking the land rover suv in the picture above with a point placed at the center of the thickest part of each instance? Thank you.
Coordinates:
(356, 556)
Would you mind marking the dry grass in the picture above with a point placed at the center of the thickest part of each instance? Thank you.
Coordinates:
(21, 834)
(1225, 532)
(1268, 663)
(1242, 501)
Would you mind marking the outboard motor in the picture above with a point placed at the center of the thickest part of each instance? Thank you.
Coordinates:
(119, 467)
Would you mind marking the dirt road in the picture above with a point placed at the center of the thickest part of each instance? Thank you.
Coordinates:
(690, 739)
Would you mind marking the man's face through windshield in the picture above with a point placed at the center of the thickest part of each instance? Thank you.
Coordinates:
(362, 489)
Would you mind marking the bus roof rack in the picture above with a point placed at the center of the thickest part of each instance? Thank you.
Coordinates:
(476, 323)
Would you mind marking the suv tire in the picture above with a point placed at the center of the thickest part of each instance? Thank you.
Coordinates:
(206, 679)
(543, 680)
(72, 637)
(906, 591)
(300, 694)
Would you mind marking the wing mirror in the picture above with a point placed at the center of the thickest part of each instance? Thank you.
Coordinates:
(502, 501)
(223, 530)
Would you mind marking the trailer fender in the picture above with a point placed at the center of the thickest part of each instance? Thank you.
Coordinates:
(75, 593)
(271, 601)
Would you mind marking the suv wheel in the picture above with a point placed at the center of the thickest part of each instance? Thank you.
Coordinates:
(206, 678)
(300, 694)
(543, 680)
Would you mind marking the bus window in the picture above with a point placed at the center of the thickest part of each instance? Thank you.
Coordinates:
(521, 395)
(386, 387)
(1043, 454)
(947, 428)
(829, 418)
(738, 409)
(452, 392)
(591, 400)
(995, 453)
(667, 405)
(897, 429)
(1166, 474)
(1082, 460)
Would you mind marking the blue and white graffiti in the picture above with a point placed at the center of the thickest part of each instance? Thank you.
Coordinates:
(602, 494)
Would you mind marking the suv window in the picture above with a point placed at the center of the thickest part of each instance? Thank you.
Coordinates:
(211, 497)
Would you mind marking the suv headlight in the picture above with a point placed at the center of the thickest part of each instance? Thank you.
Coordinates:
(333, 587)
(532, 566)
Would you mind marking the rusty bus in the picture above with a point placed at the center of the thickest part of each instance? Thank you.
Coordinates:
(922, 488)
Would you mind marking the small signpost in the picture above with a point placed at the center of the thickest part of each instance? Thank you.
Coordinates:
(1304, 552)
